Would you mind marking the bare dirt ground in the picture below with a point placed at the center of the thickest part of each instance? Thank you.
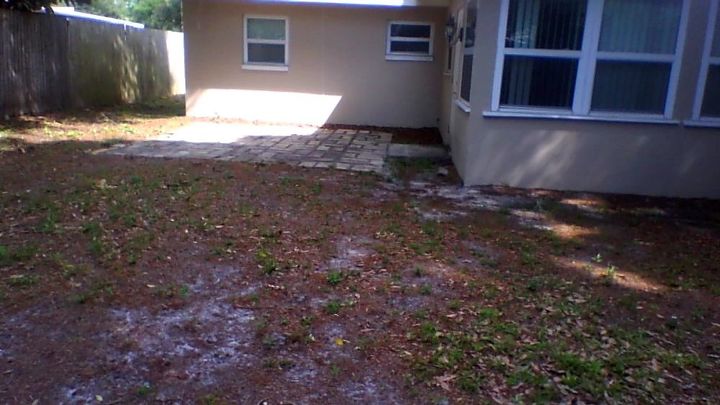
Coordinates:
(138, 280)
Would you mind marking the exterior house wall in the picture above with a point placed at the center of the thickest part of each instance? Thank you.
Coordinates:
(650, 159)
(455, 121)
(337, 68)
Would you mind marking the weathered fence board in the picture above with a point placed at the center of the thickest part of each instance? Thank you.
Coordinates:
(51, 63)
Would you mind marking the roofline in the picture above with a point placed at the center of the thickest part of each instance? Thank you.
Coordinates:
(362, 3)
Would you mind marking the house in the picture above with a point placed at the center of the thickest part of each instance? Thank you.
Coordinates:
(619, 96)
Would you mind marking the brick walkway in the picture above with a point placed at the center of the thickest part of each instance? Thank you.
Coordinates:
(343, 149)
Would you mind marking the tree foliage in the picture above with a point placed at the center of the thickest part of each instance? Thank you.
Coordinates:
(35, 5)
(160, 14)
(107, 8)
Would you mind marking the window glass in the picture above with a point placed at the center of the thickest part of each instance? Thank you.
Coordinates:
(546, 24)
(711, 100)
(716, 37)
(545, 63)
(266, 41)
(471, 21)
(466, 77)
(264, 28)
(641, 26)
(636, 27)
(410, 47)
(410, 30)
(637, 87)
(468, 50)
(267, 53)
(410, 40)
(538, 82)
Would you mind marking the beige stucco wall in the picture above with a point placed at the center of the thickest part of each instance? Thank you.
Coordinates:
(651, 159)
(337, 68)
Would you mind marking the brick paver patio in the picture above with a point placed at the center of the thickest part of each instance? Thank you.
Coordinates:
(344, 149)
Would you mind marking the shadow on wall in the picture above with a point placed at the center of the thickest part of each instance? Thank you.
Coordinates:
(52, 63)
(649, 162)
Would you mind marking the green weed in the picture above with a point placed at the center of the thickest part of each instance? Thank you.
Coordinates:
(335, 277)
(333, 307)
(266, 261)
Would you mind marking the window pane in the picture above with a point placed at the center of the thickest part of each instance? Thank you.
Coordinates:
(546, 24)
(470, 22)
(466, 82)
(410, 30)
(711, 101)
(639, 87)
(263, 28)
(419, 47)
(716, 40)
(538, 82)
(468, 50)
(649, 26)
(266, 53)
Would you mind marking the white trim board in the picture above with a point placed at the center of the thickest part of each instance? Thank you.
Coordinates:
(549, 115)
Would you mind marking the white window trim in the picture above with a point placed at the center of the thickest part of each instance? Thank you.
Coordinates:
(277, 67)
(707, 60)
(587, 58)
(565, 115)
(461, 102)
(409, 56)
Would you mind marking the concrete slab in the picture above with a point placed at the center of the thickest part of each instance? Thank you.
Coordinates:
(346, 149)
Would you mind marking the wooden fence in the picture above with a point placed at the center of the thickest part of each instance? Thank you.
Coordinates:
(50, 63)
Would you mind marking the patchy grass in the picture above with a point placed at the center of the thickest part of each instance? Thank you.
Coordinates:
(22, 280)
(107, 126)
(186, 277)
(18, 254)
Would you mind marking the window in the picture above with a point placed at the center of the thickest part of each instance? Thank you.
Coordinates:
(707, 105)
(589, 57)
(266, 43)
(449, 60)
(468, 47)
(407, 40)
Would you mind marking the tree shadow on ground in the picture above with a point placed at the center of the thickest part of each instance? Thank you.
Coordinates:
(478, 305)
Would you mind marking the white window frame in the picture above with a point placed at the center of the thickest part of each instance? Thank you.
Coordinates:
(282, 67)
(587, 57)
(707, 60)
(409, 56)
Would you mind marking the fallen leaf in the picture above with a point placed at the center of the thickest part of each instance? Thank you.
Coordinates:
(444, 381)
